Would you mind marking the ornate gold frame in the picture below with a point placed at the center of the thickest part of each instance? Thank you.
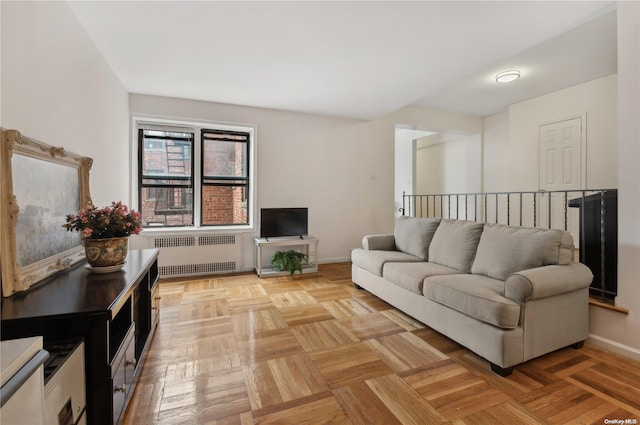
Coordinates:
(16, 278)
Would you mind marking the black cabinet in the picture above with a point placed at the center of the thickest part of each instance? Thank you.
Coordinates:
(599, 240)
(116, 315)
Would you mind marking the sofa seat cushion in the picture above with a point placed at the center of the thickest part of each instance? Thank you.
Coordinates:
(413, 235)
(454, 244)
(476, 296)
(374, 260)
(507, 249)
(411, 276)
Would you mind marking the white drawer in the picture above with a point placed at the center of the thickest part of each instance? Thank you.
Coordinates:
(66, 387)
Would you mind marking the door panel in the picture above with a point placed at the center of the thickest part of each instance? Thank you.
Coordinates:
(560, 169)
(561, 155)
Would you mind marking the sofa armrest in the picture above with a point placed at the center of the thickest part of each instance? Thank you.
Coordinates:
(379, 242)
(547, 281)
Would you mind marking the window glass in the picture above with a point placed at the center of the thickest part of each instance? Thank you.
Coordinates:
(166, 186)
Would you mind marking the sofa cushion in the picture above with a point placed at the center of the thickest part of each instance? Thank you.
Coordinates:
(373, 260)
(413, 235)
(410, 276)
(507, 249)
(454, 244)
(476, 296)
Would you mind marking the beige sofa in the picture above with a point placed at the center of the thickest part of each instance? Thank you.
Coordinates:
(507, 293)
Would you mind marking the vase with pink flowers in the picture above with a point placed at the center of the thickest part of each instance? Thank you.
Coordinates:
(105, 233)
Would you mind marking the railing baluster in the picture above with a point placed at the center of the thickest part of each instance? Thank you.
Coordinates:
(535, 213)
(475, 207)
(520, 209)
(549, 208)
(566, 207)
(466, 207)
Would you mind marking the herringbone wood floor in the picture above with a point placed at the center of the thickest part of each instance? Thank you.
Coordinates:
(312, 350)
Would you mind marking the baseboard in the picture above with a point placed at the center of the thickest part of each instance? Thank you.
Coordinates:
(614, 347)
(334, 260)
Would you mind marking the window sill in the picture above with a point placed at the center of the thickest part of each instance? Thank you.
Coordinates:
(596, 303)
(195, 230)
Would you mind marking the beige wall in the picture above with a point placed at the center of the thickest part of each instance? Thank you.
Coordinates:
(57, 88)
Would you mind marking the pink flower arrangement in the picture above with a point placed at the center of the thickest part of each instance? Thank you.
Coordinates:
(113, 221)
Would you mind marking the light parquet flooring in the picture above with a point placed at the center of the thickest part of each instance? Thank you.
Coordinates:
(311, 350)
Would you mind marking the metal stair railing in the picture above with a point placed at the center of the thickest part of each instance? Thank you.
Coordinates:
(593, 222)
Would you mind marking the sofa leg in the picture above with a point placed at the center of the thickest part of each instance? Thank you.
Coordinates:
(501, 371)
(355, 285)
(577, 345)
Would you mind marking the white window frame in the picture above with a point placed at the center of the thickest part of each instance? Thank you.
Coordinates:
(197, 125)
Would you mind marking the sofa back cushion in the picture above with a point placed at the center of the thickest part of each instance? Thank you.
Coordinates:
(454, 244)
(508, 249)
(413, 235)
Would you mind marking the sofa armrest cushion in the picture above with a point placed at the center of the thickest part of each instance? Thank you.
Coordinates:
(413, 235)
(379, 242)
(547, 281)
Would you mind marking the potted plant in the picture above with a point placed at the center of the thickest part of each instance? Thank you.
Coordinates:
(288, 260)
(105, 232)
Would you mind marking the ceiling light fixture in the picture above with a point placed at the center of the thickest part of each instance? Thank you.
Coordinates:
(507, 76)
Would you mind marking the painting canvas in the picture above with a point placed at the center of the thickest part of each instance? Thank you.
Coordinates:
(45, 192)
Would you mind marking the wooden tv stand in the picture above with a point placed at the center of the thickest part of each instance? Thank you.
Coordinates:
(115, 313)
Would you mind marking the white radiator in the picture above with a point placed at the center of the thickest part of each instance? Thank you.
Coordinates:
(192, 255)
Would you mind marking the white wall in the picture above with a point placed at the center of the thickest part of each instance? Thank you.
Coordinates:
(57, 88)
(342, 169)
(453, 166)
(495, 142)
(615, 331)
(598, 100)
(444, 124)
(336, 167)
(404, 167)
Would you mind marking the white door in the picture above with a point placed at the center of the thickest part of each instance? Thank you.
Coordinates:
(561, 168)
(561, 155)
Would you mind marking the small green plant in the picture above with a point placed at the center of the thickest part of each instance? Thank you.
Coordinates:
(288, 260)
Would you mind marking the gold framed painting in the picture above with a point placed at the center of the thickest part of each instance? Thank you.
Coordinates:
(40, 184)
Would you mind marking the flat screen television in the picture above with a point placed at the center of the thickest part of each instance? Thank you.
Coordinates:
(280, 222)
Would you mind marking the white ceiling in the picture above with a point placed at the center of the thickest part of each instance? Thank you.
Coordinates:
(356, 59)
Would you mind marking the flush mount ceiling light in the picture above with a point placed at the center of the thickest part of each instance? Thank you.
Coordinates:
(507, 76)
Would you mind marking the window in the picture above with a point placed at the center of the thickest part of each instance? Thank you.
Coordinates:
(166, 183)
(193, 176)
(224, 177)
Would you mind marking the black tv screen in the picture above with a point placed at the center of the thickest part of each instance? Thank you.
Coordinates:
(279, 222)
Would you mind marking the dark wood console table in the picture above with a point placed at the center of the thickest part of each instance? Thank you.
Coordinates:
(116, 315)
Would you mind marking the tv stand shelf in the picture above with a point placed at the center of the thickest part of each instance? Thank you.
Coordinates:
(308, 243)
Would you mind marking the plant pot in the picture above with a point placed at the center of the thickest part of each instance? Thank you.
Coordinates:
(106, 252)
